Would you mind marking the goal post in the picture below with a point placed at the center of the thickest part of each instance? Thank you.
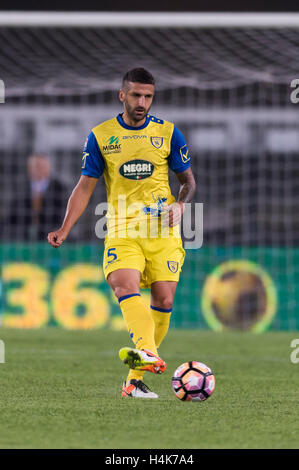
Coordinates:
(148, 19)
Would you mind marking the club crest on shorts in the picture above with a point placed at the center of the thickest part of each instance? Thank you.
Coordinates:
(157, 142)
(173, 266)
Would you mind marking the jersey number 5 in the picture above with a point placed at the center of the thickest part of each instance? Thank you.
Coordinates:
(109, 254)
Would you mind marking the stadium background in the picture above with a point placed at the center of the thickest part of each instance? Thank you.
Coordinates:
(228, 89)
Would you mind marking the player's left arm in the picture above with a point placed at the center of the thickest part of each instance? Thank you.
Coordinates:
(179, 162)
(186, 194)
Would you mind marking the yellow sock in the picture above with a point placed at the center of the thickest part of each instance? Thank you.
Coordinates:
(140, 325)
(161, 318)
(135, 374)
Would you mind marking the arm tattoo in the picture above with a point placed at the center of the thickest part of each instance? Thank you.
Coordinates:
(188, 187)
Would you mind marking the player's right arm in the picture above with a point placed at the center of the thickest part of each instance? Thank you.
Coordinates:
(92, 168)
(75, 208)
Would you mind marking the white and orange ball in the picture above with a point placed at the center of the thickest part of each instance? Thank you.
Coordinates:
(193, 381)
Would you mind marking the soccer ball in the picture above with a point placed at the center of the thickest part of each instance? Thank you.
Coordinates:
(193, 381)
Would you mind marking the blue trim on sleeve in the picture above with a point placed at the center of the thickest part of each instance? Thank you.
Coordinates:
(178, 159)
(93, 162)
(124, 297)
(132, 128)
(164, 310)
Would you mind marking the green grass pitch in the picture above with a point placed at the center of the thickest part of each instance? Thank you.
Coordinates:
(61, 389)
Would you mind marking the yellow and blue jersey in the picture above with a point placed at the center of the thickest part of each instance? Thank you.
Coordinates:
(135, 163)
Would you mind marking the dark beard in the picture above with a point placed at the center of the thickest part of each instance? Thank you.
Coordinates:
(132, 115)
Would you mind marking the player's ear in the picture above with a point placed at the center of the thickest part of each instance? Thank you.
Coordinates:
(121, 95)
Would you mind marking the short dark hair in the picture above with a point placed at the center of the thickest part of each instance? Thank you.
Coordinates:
(139, 75)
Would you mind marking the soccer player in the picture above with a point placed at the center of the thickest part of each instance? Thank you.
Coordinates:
(134, 151)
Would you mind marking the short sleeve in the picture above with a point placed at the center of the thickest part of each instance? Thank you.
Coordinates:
(179, 159)
(92, 161)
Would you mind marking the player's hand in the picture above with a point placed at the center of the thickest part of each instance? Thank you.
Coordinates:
(57, 238)
(173, 213)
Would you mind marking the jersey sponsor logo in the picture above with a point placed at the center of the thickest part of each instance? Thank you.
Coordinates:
(184, 154)
(113, 140)
(136, 169)
(157, 142)
(112, 145)
(135, 137)
(173, 266)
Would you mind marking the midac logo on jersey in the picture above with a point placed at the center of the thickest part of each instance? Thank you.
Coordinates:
(136, 169)
(112, 146)
(113, 140)
(157, 142)
(173, 266)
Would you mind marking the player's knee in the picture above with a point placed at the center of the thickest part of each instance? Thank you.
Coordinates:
(128, 289)
(165, 302)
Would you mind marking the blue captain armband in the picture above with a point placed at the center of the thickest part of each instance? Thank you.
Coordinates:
(92, 160)
(179, 159)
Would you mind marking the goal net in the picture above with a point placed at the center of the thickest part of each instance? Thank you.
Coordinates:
(228, 89)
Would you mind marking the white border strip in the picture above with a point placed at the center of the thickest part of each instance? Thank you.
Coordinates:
(148, 19)
(171, 113)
